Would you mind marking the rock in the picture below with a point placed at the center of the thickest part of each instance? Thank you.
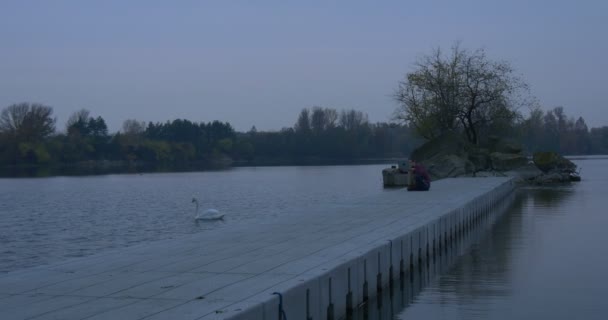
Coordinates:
(524, 174)
(486, 174)
(480, 158)
(555, 168)
(447, 143)
(507, 161)
(445, 166)
(491, 143)
(445, 156)
(496, 144)
(451, 155)
(551, 161)
(550, 178)
(509, 147)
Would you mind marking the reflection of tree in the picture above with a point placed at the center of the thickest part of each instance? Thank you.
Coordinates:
(468, 267)
(484, 270)
(549, 196)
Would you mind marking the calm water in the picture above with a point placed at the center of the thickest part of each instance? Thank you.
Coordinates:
(44, 220)
(545, 258)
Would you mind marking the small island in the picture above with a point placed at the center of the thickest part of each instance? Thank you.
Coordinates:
(450, 155)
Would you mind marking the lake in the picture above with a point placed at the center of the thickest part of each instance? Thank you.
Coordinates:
(544, 258)
(45, 220)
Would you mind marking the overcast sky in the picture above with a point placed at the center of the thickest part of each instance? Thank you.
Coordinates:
(260, 62)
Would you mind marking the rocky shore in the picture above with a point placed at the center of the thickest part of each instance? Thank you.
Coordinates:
(450, 155)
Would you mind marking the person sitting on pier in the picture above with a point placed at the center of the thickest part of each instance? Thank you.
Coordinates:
(421, 180)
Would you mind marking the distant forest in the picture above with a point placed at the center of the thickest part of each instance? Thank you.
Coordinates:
(29, 137)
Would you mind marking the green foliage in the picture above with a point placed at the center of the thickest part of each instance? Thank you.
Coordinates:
(160, 151)
(244, 149)
(33, 153)
(225, 145)
(87, 138)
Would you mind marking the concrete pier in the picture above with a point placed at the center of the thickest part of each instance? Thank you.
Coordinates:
(319, 264)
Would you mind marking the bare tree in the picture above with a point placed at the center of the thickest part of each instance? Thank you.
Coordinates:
(133, 127)
(490, 95)
(303, 123)
(352, 119)
(80, 116)
(132, 131)
(463, 91)
(27, 122)
(322, 119)
(78, 123)
(13, 117)
(331, 118)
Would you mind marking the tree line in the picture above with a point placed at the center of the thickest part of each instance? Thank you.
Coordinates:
(28, 136)
(553, 130)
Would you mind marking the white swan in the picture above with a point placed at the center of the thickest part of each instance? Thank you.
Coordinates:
(209, 214)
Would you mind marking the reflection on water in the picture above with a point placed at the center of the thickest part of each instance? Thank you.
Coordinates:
(93, 169)
(547, 197)
(544, 259)
(407, 288)
(119, 167)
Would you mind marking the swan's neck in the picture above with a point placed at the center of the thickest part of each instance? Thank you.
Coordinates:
(196, 210)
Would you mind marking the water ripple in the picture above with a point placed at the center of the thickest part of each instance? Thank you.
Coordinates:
(44, 220)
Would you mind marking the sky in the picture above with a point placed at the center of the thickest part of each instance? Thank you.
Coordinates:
(259, 63)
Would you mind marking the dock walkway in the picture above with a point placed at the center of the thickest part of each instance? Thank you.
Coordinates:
(323, 262)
